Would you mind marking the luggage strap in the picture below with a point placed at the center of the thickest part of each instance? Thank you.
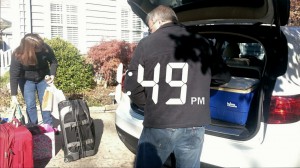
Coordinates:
(75, 144)
(73, 124)
(76, 112)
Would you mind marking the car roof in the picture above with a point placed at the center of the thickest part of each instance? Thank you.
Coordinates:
(194, 12)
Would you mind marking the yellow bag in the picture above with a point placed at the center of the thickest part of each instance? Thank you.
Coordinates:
(47, 103)
(52, 97)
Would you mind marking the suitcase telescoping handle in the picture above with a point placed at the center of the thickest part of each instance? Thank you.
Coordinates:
(85, 109)
(76, 106)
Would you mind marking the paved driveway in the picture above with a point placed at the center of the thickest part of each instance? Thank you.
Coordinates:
(111, 151)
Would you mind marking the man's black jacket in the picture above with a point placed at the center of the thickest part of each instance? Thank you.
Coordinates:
(186, 66)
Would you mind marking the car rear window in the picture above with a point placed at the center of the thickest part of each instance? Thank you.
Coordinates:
(252, 50)
(204, 3)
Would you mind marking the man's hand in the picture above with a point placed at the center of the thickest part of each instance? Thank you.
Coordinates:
(14, 100)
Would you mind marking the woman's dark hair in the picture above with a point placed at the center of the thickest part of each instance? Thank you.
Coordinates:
(26, 52)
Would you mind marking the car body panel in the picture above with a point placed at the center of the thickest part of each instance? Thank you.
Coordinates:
(269, 145)
(127, 119)
(289, 83)
(279, 148)
(274, 151)
(273, 145)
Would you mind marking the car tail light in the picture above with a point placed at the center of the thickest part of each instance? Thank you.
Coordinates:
(284, 109)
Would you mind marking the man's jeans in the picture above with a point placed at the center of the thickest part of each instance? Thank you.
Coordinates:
(155, 146)
(30, 89)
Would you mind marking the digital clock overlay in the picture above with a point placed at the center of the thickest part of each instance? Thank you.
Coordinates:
(183, 66)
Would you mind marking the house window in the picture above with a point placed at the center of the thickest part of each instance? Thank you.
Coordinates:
(64, 22)
(56, 31)
(124, 19)
(136, 22)
(72, 35)
(125, 35)
(56, 20)
(56, 7)
(131, 26)
(72, 24)
(136, 36)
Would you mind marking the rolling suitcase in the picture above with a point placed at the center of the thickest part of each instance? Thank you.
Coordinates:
(15, 146)
(77, 129)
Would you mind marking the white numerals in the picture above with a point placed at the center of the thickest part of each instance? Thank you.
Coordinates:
(149, 83)
(155, 82)
(181, 84)
(118, 91)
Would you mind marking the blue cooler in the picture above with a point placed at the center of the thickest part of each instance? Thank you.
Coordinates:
(231, 102)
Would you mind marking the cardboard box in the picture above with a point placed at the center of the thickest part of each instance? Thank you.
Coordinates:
(231, 102)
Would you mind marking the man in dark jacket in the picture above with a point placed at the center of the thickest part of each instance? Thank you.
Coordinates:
(170, 76)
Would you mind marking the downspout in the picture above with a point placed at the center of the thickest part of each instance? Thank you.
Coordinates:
(30, 12)
(0, 25)
(24, 23)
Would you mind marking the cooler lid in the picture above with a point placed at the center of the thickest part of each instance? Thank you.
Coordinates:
(239, 84)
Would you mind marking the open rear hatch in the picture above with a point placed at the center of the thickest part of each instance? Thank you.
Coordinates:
(229, 19)
(195, 12)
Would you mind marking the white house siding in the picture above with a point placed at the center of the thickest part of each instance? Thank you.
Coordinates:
(84, 23)
(22, 19)
(101, 20)
(40, 18)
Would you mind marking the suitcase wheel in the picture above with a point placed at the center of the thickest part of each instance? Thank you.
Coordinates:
(68, 159)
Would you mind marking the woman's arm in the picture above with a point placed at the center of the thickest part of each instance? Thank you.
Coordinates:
(52, 60)
(15, 73)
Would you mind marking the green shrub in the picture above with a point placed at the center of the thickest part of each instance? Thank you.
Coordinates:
(5, 92)
(4, 80)
(73, 75)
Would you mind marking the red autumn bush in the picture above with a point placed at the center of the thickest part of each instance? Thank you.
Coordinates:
(107, 56)
(295, 13)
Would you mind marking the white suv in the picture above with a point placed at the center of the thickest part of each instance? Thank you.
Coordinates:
(264, 132)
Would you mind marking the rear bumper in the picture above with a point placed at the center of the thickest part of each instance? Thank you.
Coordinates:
(275, 145)
(129, 141)
(280, 147)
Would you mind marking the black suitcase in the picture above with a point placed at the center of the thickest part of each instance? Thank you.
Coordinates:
(78, 131)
